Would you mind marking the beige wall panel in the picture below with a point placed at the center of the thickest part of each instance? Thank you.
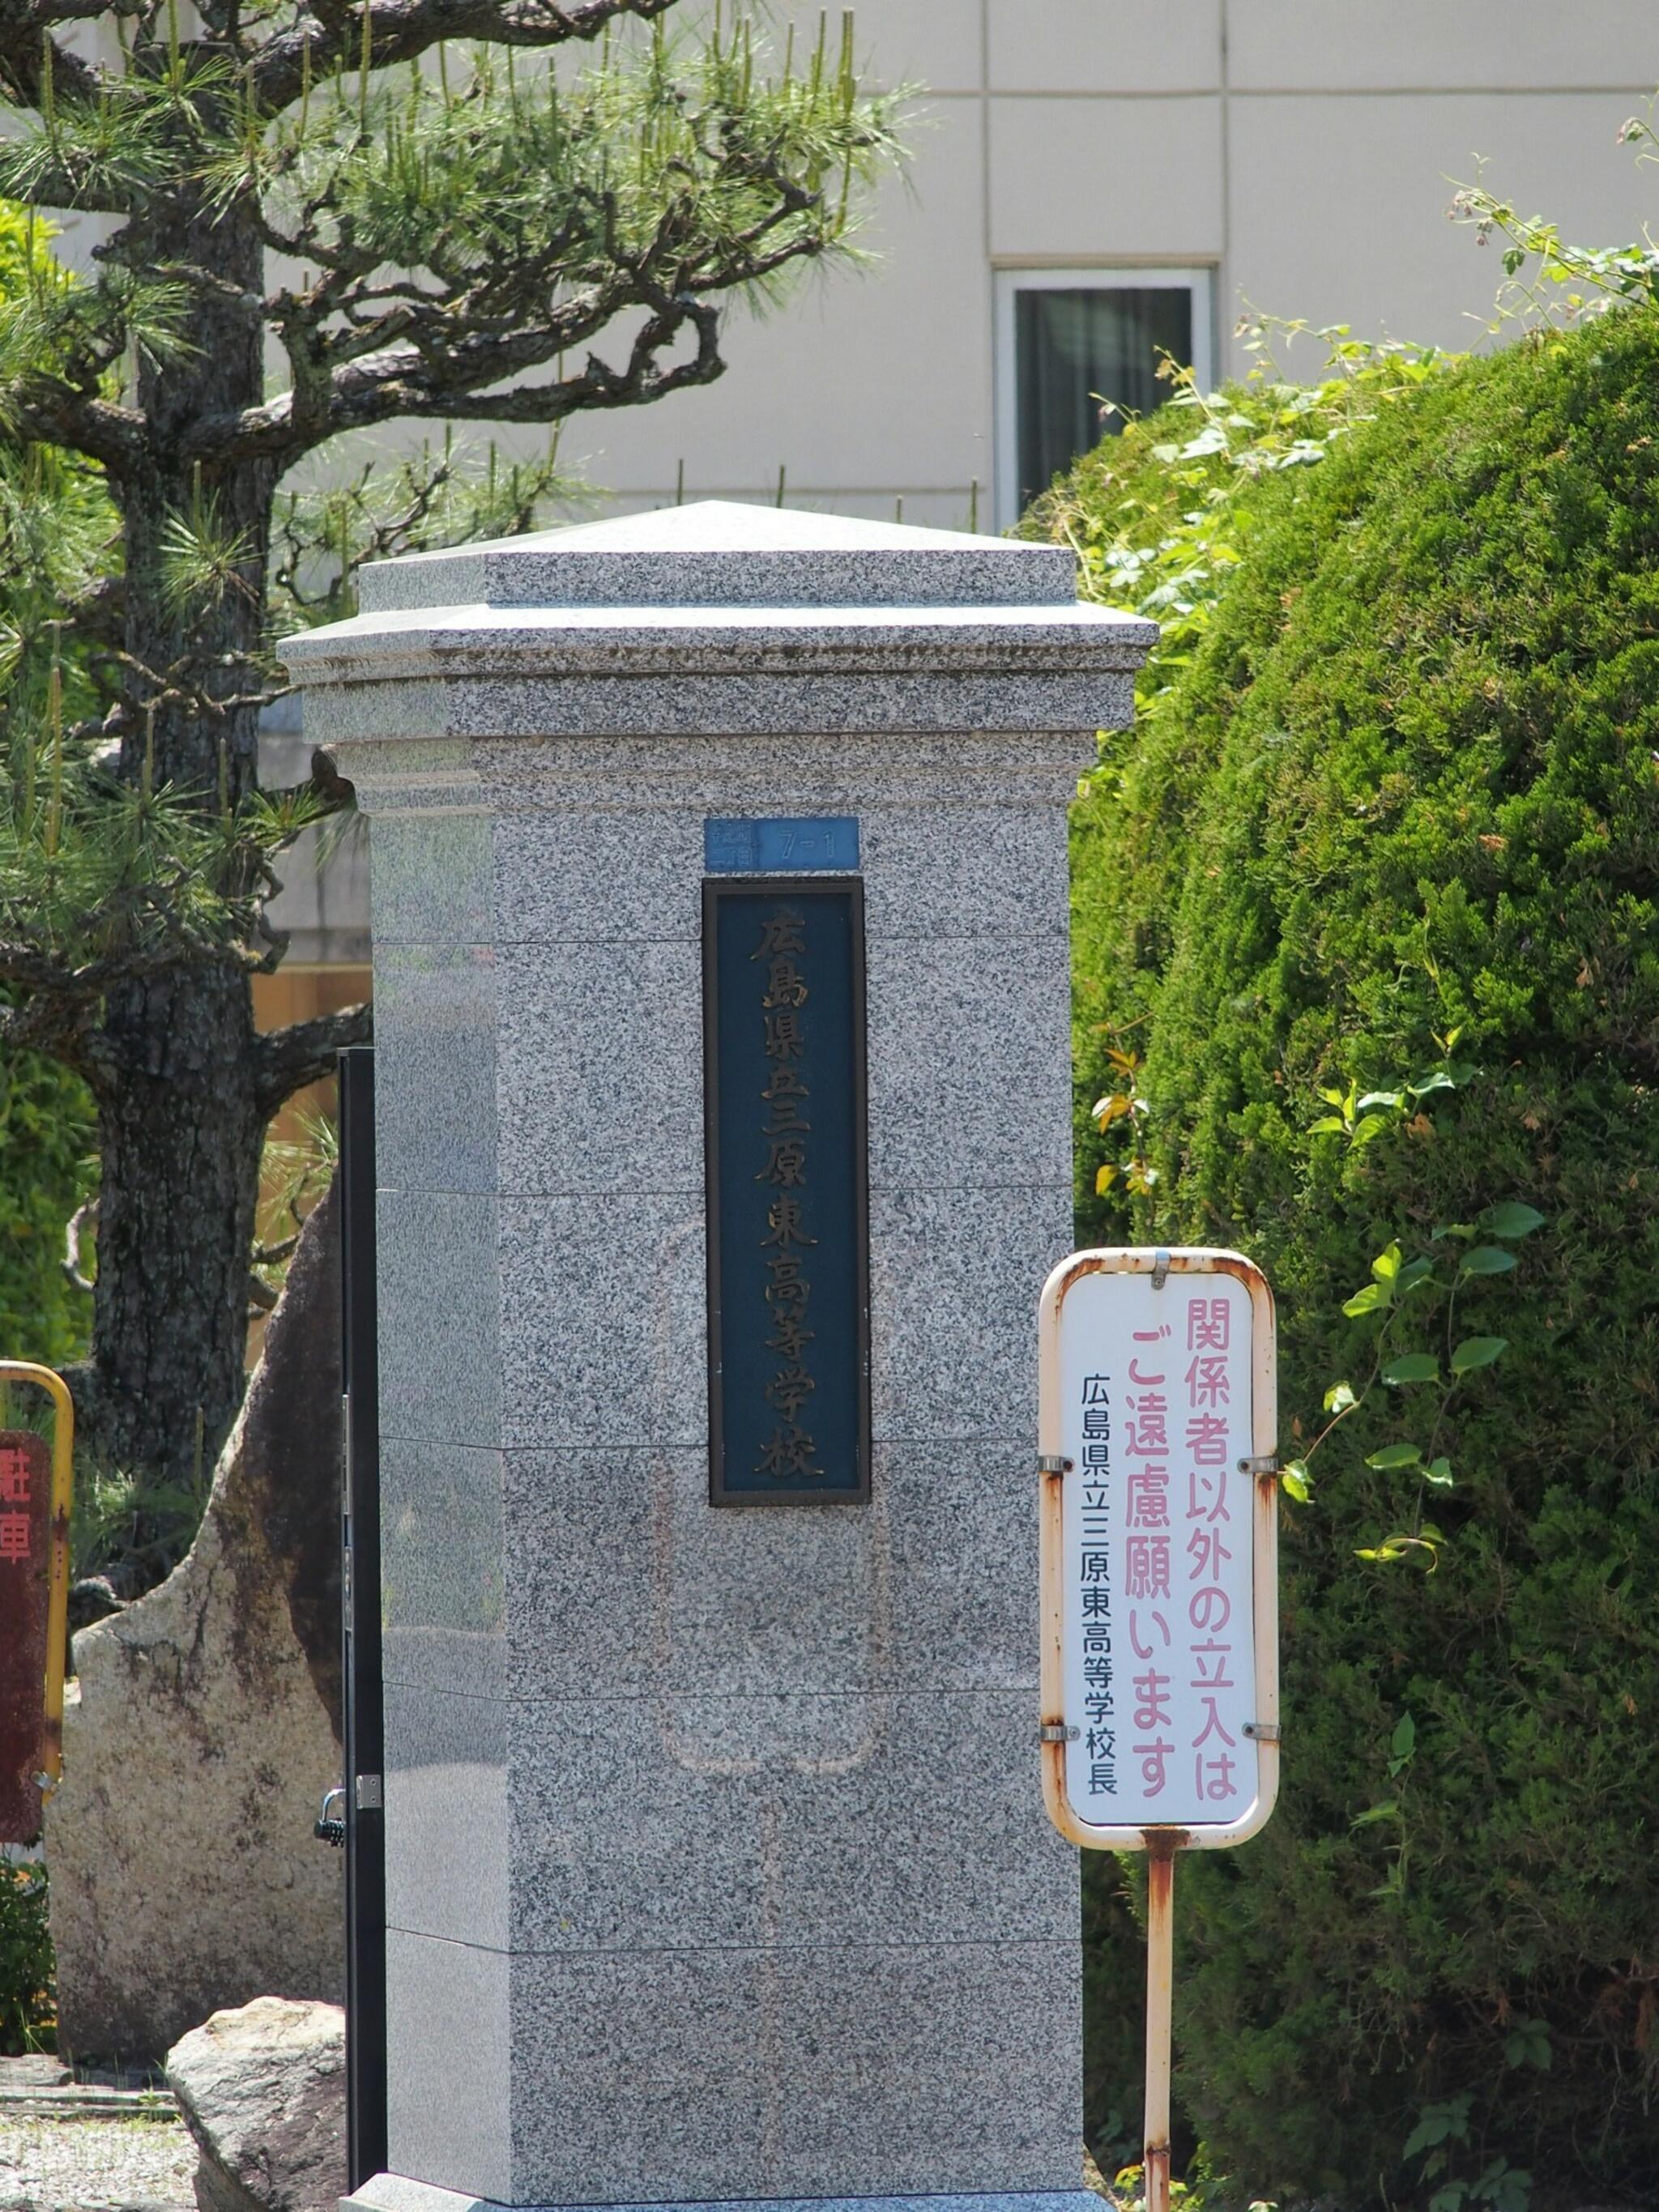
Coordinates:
(1282, 45)
(1104, 46)
(878, 382)
(1339, 207)
(938, 44)
(1106, 180)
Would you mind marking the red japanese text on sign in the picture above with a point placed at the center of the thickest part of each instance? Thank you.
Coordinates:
(24, 1563)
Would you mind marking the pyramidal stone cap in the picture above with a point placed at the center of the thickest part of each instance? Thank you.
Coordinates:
(718, 553)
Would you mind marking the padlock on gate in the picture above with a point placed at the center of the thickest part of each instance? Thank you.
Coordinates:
(331, 1829)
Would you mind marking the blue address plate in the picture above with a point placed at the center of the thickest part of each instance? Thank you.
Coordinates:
(792, 845)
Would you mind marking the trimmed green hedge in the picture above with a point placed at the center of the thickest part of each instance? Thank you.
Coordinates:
(1407, 779)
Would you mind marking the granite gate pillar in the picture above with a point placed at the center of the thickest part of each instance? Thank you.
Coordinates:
(717, 1863)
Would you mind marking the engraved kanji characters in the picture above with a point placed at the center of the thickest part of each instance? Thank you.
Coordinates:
(789, 1458)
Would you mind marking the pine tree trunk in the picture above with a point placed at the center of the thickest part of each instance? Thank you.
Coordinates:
(181, 1134)
(181, 1127)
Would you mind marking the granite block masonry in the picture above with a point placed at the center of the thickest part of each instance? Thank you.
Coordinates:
(718, 1872)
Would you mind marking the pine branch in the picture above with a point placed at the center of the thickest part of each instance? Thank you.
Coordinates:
(452, 383)
(323, 533)
(26, 967)
(306, 1052)
(463, 242)
(64, 183)
(25, 43)
(45, 411)
(459, 392)
(60, 1024)
(403, 30)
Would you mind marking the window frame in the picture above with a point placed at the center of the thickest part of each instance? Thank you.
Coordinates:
(1198, 279)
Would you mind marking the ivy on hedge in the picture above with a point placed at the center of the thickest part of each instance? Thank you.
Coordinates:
(1402, 777)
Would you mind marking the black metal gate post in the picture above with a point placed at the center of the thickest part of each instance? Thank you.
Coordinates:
(365, 1870)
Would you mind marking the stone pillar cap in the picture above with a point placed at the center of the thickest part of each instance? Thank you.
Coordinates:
(718, 553)
(723, 618)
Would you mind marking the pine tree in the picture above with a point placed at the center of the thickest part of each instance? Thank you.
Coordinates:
(457, 211)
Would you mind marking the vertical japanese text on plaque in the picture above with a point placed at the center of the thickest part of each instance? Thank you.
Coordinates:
(784, 1084)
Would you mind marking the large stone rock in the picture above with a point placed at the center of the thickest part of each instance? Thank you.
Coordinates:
(262, 2091)
(203, 1727)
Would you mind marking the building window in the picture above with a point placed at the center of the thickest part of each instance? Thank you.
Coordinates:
(1072, 340)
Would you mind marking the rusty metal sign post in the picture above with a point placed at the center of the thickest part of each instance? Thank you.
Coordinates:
(35, 1486)
(1157, 1436)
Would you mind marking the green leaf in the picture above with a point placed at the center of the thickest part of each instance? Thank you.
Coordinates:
(1293, 1481)
(1528, 2044)
(1511, 1219)
(1438, 1471)
(1403, 1742)
(1478, 1352)
(1327, 1125)
(1394, 1456)
(1367, 1301)
(1413, 1367)
(1439, 2123)
(1487, 1260)
(1413, 1273)
(1390, 1811)
(1339, 1397)
(1386, 1266)
(1379, 1098)
(1464, 1229)
(1372, 1126)
(1442, 1079)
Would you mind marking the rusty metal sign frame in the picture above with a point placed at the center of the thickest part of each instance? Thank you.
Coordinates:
(1147, 1260)
(62, 1483)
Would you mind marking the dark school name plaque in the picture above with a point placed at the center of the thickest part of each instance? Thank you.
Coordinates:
(785, 1097)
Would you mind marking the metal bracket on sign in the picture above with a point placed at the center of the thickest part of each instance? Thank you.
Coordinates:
(1053, 1463)
(1160, 1269)
(1263, 1731)
(369, 1796)
(1263, 1463)
(1057, 1732)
